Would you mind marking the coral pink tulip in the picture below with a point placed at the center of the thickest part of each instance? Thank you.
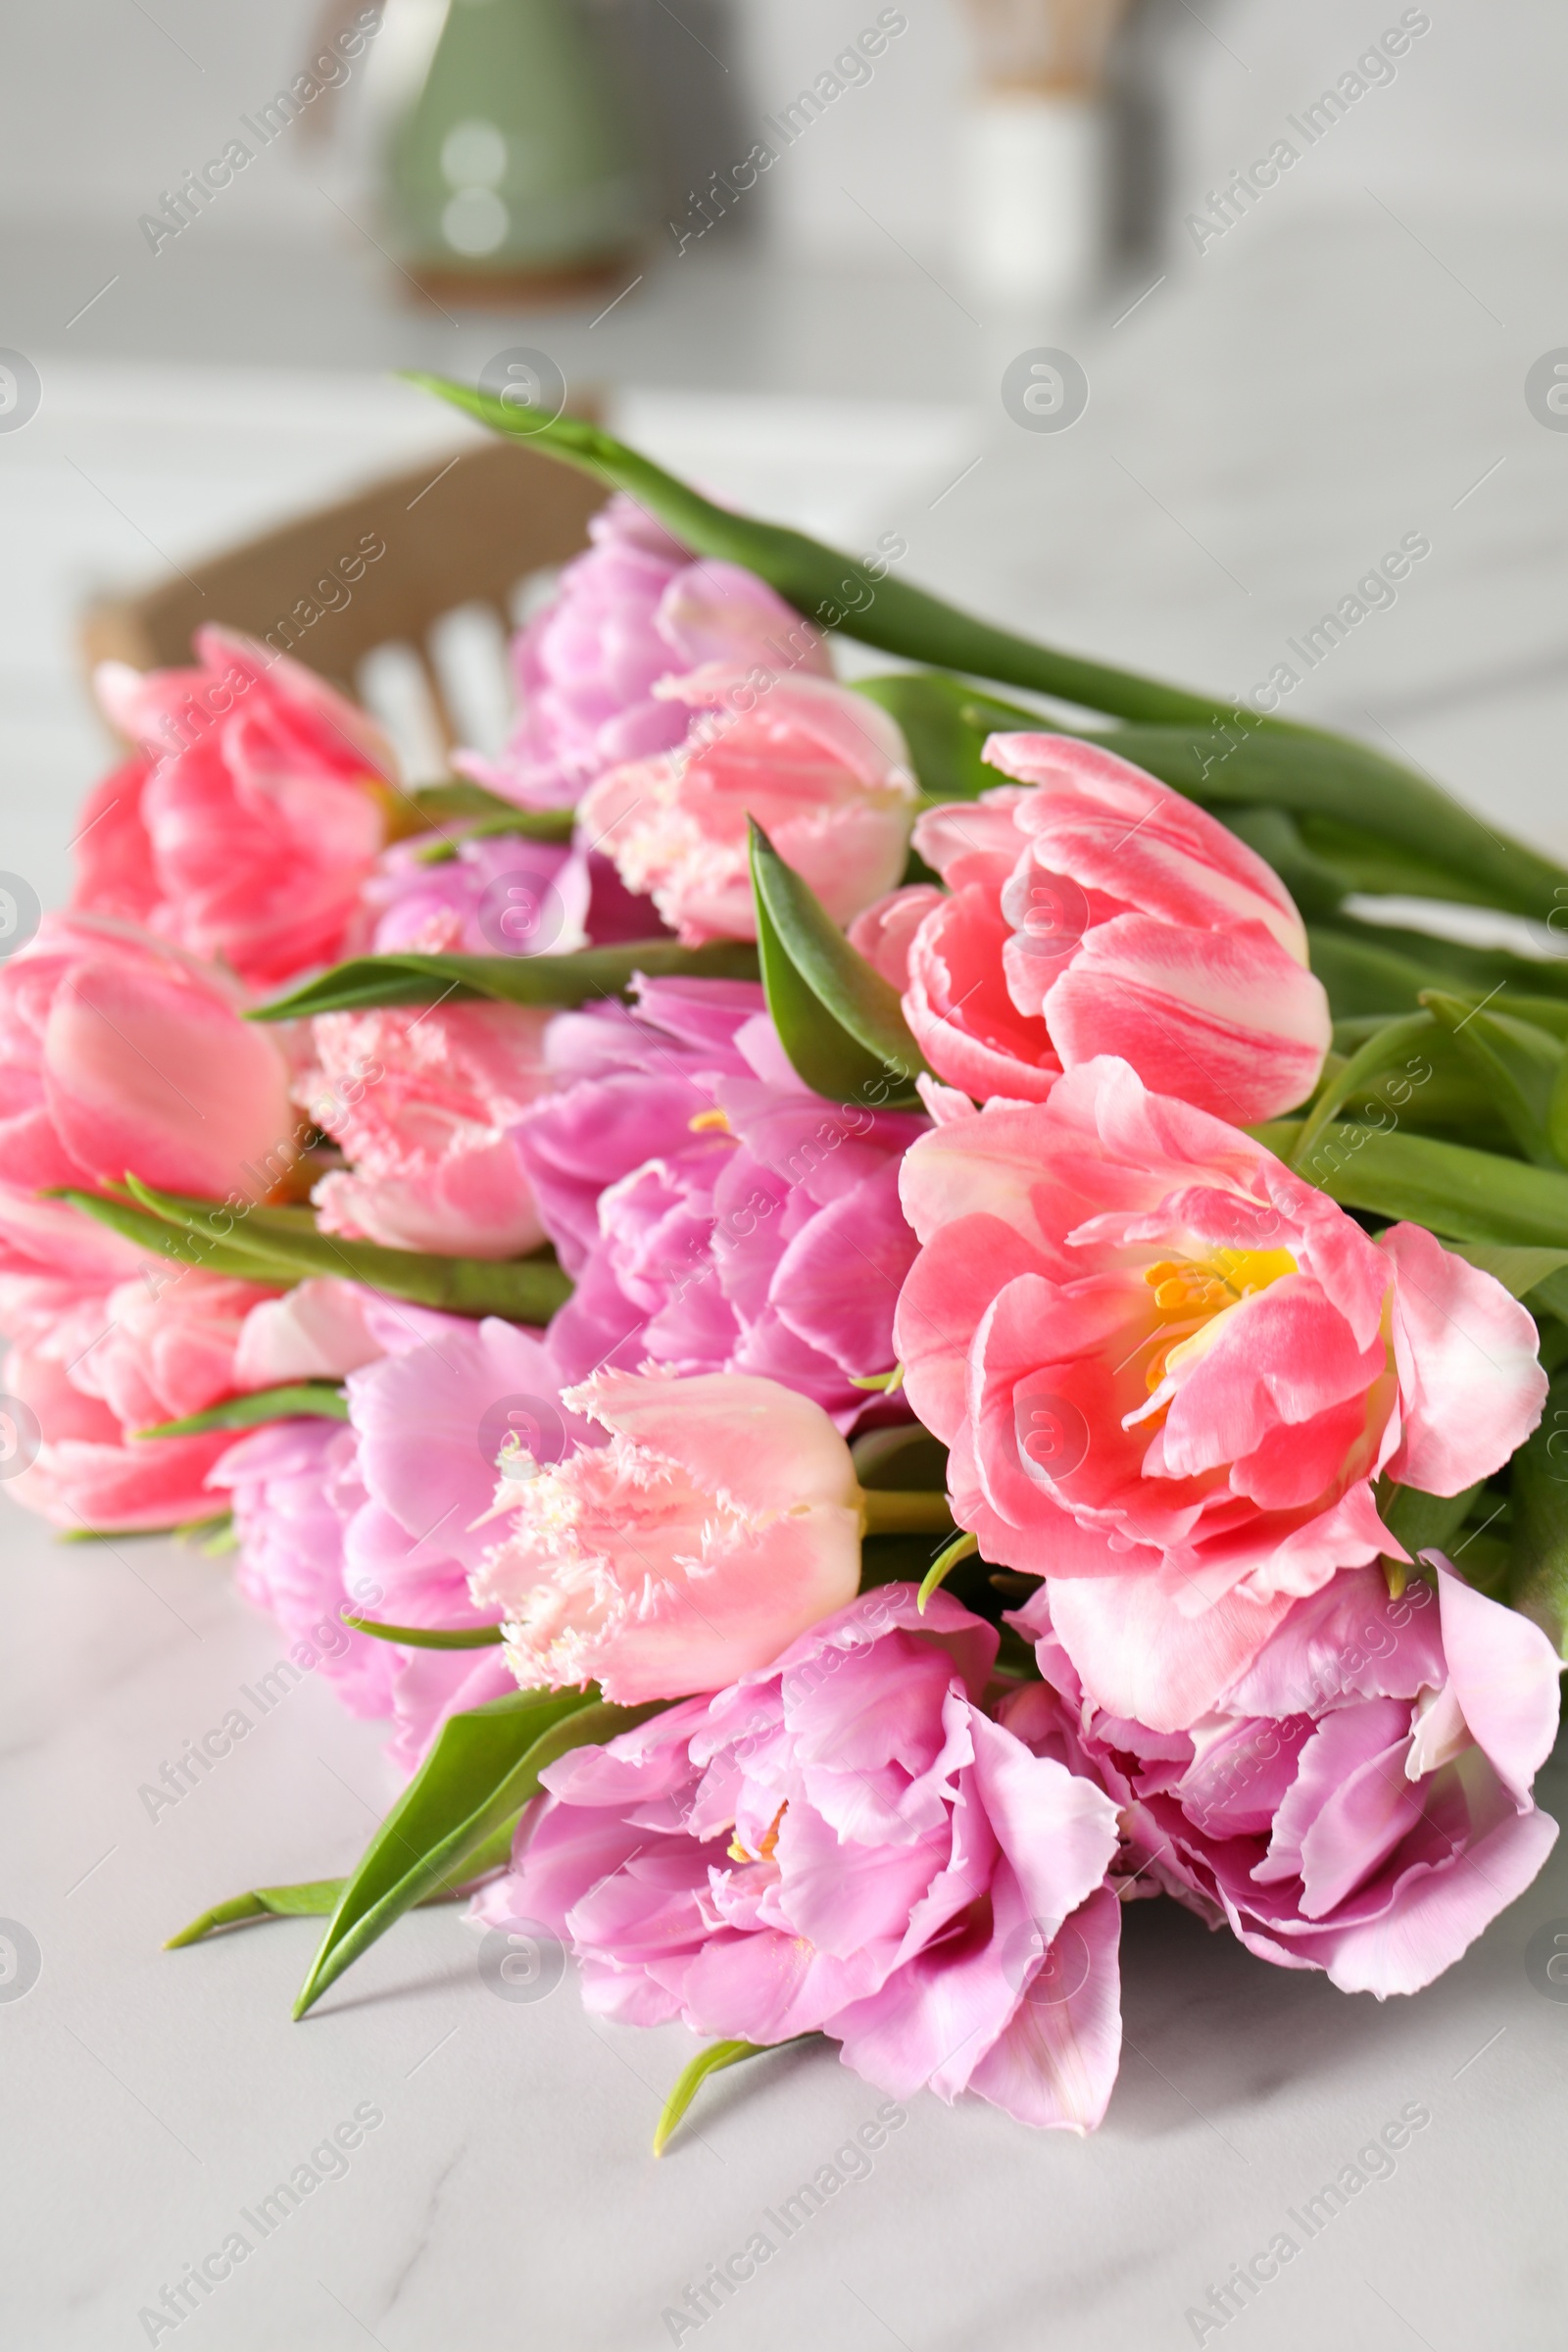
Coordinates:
(120, 1053)
(1163, 1361)
(249, 819)
(1094, 912)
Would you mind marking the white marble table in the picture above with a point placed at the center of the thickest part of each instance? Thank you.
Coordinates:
(1259, 428)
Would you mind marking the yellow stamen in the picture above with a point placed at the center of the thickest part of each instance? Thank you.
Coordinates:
(765, 1851)
(710, 1118)
(1196, 1290)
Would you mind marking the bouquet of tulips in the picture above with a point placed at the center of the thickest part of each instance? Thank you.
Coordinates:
(872, 1321)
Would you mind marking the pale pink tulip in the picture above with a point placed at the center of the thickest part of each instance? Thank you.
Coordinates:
(722, 1518)
(823, 771)
(1097, 913)
(119, 1053)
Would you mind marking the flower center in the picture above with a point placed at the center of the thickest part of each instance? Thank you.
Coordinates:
(764, 1851)
(1189, 1292)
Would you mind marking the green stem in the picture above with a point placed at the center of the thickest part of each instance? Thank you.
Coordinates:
(889, 1512)
(886, 612)
(1217, 749)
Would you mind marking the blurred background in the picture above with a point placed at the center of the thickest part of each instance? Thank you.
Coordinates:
(1251, 389)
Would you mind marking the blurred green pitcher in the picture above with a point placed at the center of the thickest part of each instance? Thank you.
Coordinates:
(510, 168)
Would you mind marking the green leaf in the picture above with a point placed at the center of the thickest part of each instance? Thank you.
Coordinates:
(690, 2079)
(153, 1232)
(308, 1399)
(522, 1290)
(1520, 1271)
(944, 746)
(431, 1637)
(962, 1547)
(318, 1898)
(1473, 1196)
(829, 588)
(1517, 1064)
(528, 824)
(1378, 868)
(579, 979)
(839, 1022)
(1390, 1045)
(1537, 1576)
(483, 1767)
(1231, 752)
(312, 1900)
(1424, 1522)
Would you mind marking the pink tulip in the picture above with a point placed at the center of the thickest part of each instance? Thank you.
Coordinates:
(119, 1053)
(320, 1330)
(822, 770)
(153, 1349)
(629, 612)
(1357, 1801)
(380, 1518)
(722, 1518)
(714, 1213)
(99, 1365)
(422, 1103)
(251, 815)
(87, 1474)
(1165, 1364)
(1097, 913)
(844, 1843)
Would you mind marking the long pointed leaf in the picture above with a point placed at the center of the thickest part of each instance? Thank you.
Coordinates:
(522, 1289)
(1390, 1045)
(305, 1400)
(1473, 1196)
(431, 1637)
(1518, 1064)
(689, 2081)
(839, 1022)
(318, 1898)
(175, 1242)
(485, 1765)
(579, 979)
(1537, 1576)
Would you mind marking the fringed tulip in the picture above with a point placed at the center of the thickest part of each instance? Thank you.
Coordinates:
(722, 1519)
(422, 1103)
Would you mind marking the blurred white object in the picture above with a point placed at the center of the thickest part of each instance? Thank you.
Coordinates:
(1035, 197)
(1036, 200)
